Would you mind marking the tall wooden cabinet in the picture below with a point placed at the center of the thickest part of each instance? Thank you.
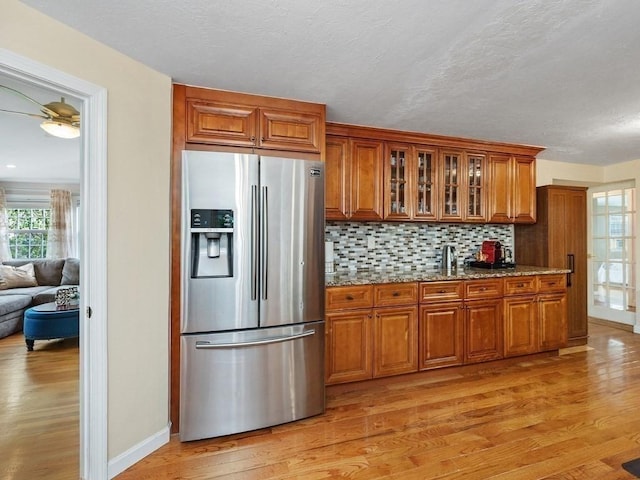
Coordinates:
(559, 239)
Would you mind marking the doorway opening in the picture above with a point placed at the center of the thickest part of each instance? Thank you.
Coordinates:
(612, 272)
(93, 244)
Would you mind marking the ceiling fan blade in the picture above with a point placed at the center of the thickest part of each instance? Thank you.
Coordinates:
(42, 107)
(35, 115)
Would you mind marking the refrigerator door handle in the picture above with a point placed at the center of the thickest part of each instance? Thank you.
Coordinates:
(254, 242)
(264, 253)
(266, 341)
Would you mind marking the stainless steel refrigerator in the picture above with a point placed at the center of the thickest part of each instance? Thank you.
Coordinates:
(252, 282)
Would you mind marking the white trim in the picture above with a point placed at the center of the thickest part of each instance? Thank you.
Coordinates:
(136, 453)
(93, 188)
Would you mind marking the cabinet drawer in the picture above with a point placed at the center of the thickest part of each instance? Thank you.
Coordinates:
(395, 294)
(481, 289)
(552, 283)
(340, 298)
(441, 291)
(520, 285)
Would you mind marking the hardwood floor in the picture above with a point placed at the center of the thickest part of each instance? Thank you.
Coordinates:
(39, 409)
(571, 416)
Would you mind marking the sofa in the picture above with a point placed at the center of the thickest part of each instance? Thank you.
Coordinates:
(25, 283)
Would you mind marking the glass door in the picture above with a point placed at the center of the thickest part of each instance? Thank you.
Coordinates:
(426, 196)
(450, 204)
(612, 210)
(397, 186)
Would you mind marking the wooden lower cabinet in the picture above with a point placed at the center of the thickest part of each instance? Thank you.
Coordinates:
(390, 329)
(379, 341)
(348, 346)
(395, 342)
(483, 330)
(552, 317)
(520, 325)
(441, 335)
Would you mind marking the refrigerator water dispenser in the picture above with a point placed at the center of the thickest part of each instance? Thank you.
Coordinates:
(211, 243)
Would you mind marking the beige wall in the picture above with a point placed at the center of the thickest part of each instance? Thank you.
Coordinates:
(549, 172)
(139, 134)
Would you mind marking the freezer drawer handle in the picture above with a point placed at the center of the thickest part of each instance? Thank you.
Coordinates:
(266, 341)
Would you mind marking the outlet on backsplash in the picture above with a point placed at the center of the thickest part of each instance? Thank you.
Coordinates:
(386, 245)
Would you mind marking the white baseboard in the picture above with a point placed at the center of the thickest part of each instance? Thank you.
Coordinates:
(636, 328)
(136, 453)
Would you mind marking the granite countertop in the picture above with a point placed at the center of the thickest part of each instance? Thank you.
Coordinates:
(365, 277)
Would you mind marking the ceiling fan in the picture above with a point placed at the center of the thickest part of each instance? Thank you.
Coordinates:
(59, 118)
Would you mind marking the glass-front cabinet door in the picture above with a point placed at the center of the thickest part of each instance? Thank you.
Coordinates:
(426, 206)
(398, 196)
(476, 193)
(450, 208)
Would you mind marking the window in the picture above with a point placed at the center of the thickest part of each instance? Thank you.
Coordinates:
(28, 229)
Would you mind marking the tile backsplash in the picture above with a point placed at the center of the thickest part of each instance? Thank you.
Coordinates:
(410, 246)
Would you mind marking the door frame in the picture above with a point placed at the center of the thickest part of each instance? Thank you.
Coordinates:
(622, 316)
(92, 248)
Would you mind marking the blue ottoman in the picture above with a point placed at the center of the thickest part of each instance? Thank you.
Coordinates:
(46, 321)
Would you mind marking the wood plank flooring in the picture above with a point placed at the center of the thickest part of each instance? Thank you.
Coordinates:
(39, 409)
(571, 416)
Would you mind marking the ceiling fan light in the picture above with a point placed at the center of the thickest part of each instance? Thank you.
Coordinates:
(60, 129)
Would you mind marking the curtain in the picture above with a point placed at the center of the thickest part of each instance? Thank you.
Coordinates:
(5, 252)
(60, 242)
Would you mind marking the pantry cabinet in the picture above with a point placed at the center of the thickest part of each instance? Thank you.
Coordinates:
(559, 240)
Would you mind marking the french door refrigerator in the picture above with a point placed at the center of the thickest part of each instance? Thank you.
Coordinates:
(252, 283)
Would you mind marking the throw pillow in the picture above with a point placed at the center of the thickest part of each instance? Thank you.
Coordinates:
(15, 277)
(71, 272)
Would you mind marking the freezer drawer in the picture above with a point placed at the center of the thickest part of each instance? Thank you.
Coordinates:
(239, 381)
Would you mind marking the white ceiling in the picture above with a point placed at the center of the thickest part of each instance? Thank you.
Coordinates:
(562, 74)
(37, 157)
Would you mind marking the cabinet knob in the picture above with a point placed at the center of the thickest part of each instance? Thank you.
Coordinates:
(520, 285)
(253, 140)
(349, 297)
(442, 291)
(262, 139)
(396, 294)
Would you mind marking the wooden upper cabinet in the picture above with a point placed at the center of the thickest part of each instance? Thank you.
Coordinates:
(524, 190)
(512, 183)
(283, 130)
(408, 176)
(462, 186)
(425, 202)
(337, 190)
(450, 186)
(398, 168)
(366, 180)
(354, 182)
(232, 119)
(222, 124)
(475, 192)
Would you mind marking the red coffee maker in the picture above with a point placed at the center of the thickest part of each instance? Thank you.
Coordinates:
(491, 251)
